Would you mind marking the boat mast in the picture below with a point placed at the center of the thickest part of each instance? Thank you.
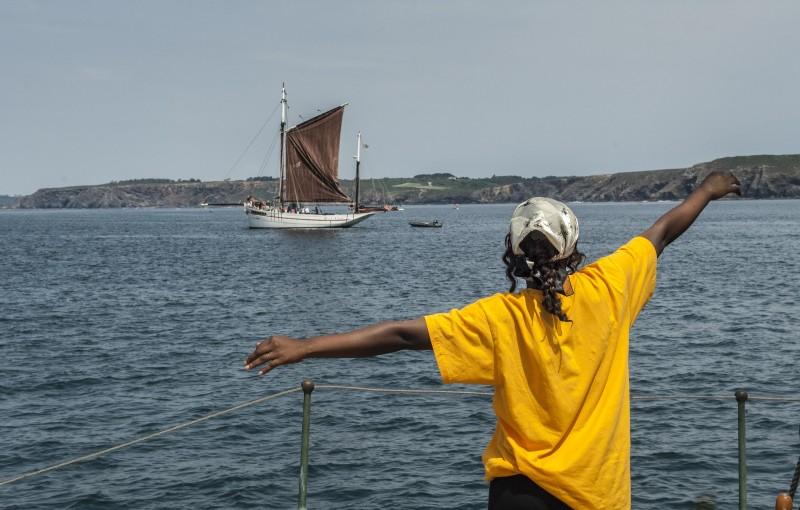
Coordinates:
(358, 164)
(283, 146)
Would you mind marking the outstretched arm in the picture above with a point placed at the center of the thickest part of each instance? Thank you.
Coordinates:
(675, 222)
(369, 341)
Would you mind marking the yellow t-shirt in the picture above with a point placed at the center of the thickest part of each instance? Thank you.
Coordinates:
(561, 388)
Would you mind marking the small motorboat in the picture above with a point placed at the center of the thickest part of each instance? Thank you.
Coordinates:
(428, 224)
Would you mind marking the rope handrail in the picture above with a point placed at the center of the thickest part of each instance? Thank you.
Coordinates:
(775, 399)
(489, 393)
(407, 391)
(384, 390)
(148, 436)
(714, 397)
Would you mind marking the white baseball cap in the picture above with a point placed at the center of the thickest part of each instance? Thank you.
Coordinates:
(550, 217)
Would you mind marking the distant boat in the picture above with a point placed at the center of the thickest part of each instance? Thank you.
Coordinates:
(426, 224)
(309, 174)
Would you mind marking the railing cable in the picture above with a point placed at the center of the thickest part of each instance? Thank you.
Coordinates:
(402, 391)
(149, 436)
(489, 393)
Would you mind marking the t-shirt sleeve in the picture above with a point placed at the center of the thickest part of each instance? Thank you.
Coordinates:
(634, 263)
(463, 344)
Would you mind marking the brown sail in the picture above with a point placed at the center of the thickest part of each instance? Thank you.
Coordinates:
(312, 160)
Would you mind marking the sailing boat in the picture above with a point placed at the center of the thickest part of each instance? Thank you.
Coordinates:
(309, 172)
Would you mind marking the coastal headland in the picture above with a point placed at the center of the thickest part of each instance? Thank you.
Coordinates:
(762, 177)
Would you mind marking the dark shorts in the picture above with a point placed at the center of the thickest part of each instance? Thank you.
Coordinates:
(520, 493)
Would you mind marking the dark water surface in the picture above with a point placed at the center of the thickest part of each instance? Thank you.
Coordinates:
(118, 323)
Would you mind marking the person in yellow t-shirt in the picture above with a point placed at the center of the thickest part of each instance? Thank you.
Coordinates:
(555, 352)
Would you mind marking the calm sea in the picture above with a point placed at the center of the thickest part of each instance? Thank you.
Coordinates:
(118, 323)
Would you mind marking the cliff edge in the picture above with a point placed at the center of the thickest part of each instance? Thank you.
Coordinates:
(763, 176)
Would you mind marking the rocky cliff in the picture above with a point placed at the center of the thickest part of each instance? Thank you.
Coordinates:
(761, 177)
(175, 194)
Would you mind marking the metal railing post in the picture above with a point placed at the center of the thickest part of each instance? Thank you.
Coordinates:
(308, 387)
(741, 398)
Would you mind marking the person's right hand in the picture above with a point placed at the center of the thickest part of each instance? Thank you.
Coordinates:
(719, 184)
(275, 351)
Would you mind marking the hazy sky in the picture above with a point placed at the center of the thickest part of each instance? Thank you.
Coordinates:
(94, 91)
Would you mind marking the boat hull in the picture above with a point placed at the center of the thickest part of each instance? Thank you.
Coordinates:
(425, 224)
(272, 218)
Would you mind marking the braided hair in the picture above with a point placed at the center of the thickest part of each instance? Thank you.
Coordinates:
(546, 275)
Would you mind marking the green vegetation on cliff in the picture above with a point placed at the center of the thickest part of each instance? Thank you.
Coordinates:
(151, 181)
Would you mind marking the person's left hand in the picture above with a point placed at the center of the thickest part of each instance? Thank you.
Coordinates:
(718, 184)
(276, 351)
